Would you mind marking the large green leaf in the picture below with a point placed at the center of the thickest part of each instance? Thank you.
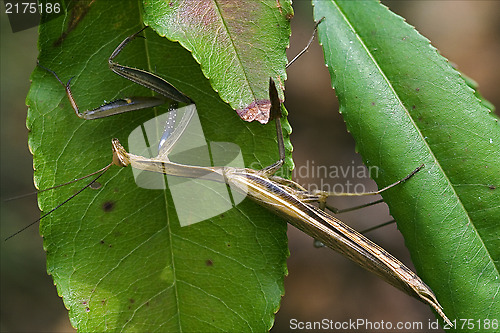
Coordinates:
(405, 105)
(118, 255)
(239, 45)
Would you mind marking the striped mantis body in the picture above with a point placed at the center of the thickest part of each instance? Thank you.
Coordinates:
(282, 196)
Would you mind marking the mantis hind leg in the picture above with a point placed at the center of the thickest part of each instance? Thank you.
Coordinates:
(276, 115)
(276, 110)
(323, 195)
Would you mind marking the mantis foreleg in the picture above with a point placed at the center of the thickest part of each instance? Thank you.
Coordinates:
(139, 76)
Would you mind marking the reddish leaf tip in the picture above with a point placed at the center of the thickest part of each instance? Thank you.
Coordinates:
(257, 110)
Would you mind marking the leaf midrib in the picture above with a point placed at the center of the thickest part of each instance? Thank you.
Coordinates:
(167, 215)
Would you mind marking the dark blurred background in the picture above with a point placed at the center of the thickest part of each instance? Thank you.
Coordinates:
(321, 284)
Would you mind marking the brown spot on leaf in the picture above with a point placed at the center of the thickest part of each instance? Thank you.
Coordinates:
(209, 263)
(103, 243)
(108, 206)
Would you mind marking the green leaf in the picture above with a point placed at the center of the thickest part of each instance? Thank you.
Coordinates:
(406, 106)
(118, 256)
(239, 44)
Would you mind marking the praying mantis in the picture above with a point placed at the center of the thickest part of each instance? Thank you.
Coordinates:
(282, 196)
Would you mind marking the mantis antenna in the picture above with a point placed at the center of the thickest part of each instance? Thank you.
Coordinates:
(100, 172)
